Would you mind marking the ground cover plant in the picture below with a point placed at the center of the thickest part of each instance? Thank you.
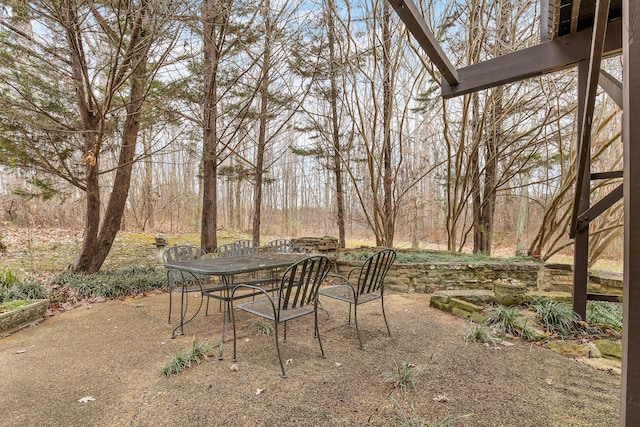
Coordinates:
(199, 351)
(545, 319)
(402, 377)
(115, 283)
(422, 256)
(556, 317)
(12, 288)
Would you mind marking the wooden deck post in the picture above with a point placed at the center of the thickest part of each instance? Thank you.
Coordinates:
(630, 396)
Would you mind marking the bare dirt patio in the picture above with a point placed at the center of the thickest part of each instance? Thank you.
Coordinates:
(112, 352)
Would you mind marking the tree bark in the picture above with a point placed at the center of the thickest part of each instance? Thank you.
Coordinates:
(209, 219)
(335, 134)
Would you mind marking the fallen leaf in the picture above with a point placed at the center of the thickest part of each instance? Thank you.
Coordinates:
(338, 364)
(549, 381)
(259, 391)
(507, 343)
(441, 398)
(234, 367)
(20, 351)
(86, 399)
(288, 361)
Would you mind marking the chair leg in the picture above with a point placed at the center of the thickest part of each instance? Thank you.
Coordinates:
(278, 348)
(384, 316)
(170, 298)
(355, 319)
(316, 331)
(349, 321)
(233, 320)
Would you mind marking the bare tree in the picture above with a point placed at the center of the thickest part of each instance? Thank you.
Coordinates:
(105, 65)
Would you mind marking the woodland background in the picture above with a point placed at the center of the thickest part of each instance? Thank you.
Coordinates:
(289, 118)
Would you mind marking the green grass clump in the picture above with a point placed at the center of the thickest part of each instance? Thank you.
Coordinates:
(183, 360)
(402, 377)
(605, 314)
(13, 288)
(115, 283)
(262, 328)
(556, 317)
(479, 333)
(503, 319)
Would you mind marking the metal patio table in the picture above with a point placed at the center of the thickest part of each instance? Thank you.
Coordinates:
(226, 269)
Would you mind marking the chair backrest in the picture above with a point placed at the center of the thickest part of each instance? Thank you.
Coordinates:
(374, 270)
(228, 249)
(280, 246)
(247, 247)
(182, 253)
(300, 282)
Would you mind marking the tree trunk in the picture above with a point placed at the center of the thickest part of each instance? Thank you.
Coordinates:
(335, 134)
(147, 187)
(387, 214)
(262, 135)
(92, 257)
(209, 219)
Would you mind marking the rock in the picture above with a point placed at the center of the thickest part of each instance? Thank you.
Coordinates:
(569, 348)
(610, 349)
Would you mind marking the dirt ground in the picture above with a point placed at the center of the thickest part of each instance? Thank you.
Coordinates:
(99, 365)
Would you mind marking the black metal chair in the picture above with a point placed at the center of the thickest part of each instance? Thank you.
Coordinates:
(367, 286)
(297, 296)
(280, 246)
(174, 277)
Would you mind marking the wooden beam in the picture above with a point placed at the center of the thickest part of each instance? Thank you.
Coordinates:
(555, 55)
(604, 297)
(410, 15)
(612, 86)
(606, 175)
(584, 144)
(581, 241)
(602, 205)
(575, 15)
(630, 384)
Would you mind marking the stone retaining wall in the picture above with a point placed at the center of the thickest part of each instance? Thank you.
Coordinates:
(22, 317)
(440, 276)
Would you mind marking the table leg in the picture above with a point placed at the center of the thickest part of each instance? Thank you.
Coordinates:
(227, 282)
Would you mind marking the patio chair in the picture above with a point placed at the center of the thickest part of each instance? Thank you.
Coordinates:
(280, 246)
(174, 277)
(226, 250)
(366, 285)
(297, 296)
(247, 247)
